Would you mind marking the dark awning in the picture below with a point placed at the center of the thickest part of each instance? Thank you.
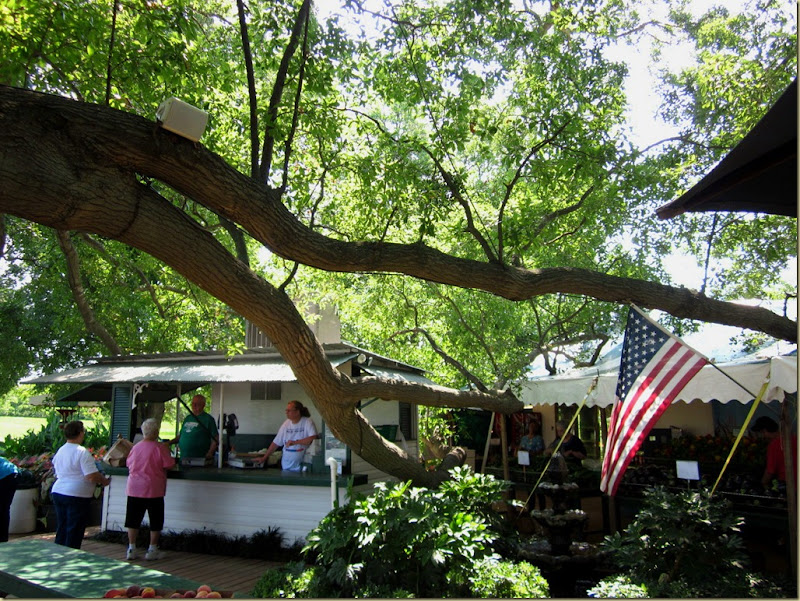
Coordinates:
(759, 175)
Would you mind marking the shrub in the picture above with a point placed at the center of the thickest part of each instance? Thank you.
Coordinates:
(618, 587)
(264, 544)
(406, 539)
(507, 580)
(685, 544)
(294, 580)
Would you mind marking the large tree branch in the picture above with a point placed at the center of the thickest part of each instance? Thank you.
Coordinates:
(109, 144)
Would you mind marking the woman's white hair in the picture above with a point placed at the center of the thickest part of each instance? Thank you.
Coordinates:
(150, 427)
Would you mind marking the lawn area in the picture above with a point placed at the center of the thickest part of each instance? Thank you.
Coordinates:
(17, 427)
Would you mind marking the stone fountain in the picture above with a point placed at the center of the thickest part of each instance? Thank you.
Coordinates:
(562, 554)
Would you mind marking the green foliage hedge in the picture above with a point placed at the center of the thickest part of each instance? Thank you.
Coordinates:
(683, 545)
(402, 541)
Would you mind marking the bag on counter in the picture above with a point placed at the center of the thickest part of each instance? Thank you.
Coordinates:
(118, 452)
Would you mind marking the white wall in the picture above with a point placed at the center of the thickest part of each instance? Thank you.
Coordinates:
(230, 507)
(693, 418)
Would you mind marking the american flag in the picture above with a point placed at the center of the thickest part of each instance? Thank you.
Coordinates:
(655, 367)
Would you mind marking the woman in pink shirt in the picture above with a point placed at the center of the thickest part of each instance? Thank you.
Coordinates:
(147, 484)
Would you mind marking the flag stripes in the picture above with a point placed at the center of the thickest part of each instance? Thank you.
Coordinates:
(654, 368)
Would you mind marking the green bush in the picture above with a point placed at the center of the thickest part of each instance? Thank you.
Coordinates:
(618, 587)
(403, 539)
(685, 544)
(507, 580)
(292, 581)
(269, 544)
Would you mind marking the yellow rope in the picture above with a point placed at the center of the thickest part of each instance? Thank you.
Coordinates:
(741, 433)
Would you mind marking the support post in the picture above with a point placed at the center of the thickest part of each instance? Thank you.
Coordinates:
(791, 482)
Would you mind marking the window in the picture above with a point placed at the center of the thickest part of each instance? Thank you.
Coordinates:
(265, 391)
(406, 423)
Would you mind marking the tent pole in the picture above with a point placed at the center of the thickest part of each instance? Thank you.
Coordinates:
(488, 442)
(178, 411)
(791, 484)
(504, 445)
(221, 423)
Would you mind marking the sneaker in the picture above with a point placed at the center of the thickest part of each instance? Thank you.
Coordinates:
(153, 554)
(132, 554)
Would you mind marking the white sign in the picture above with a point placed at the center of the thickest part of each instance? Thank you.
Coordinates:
(523, 458)
(687, 470)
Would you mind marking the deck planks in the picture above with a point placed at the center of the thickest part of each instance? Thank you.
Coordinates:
(221, 573)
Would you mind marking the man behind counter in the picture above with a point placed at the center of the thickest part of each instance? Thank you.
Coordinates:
(198, 436)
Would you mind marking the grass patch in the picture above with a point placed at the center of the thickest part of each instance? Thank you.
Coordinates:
(17, 427)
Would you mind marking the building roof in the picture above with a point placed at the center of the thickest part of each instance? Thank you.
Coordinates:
(164, 375)
(759, 175)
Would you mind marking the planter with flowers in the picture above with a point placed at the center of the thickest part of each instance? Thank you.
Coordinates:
(33, 453)
(46, 513)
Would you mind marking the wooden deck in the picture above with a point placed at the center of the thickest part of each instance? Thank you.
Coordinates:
(219, 572)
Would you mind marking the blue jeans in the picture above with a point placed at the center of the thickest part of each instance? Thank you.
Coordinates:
(8, 486)
(72, 516)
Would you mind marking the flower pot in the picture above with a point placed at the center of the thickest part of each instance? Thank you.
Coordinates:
(23, 511)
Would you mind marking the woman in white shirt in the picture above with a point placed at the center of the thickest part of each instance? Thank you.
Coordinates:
(295, 435)
(76, 478)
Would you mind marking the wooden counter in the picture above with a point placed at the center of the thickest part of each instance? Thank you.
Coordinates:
(270, 475)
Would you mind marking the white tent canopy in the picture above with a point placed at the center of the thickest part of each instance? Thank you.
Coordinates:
(709, 384)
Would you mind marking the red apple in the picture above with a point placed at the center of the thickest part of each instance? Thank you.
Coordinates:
(204, 587)
(189, 594)
(148, 592)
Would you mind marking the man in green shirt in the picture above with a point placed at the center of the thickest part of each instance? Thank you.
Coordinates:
(198, 436)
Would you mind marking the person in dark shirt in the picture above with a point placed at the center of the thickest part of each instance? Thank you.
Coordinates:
(572, 448)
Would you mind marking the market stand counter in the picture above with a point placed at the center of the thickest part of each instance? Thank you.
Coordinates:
(237, 501)
(41, 569)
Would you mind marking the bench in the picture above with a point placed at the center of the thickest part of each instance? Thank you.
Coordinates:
(41, 569)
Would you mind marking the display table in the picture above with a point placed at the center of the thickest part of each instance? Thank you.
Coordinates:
(41, 569)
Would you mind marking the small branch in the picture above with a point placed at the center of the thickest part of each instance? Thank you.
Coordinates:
(111, 49)
(277, 91)
(296, 112)
(78, 293)
(251, 88)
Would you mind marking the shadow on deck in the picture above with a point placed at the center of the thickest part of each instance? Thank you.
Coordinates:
(220, 572)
